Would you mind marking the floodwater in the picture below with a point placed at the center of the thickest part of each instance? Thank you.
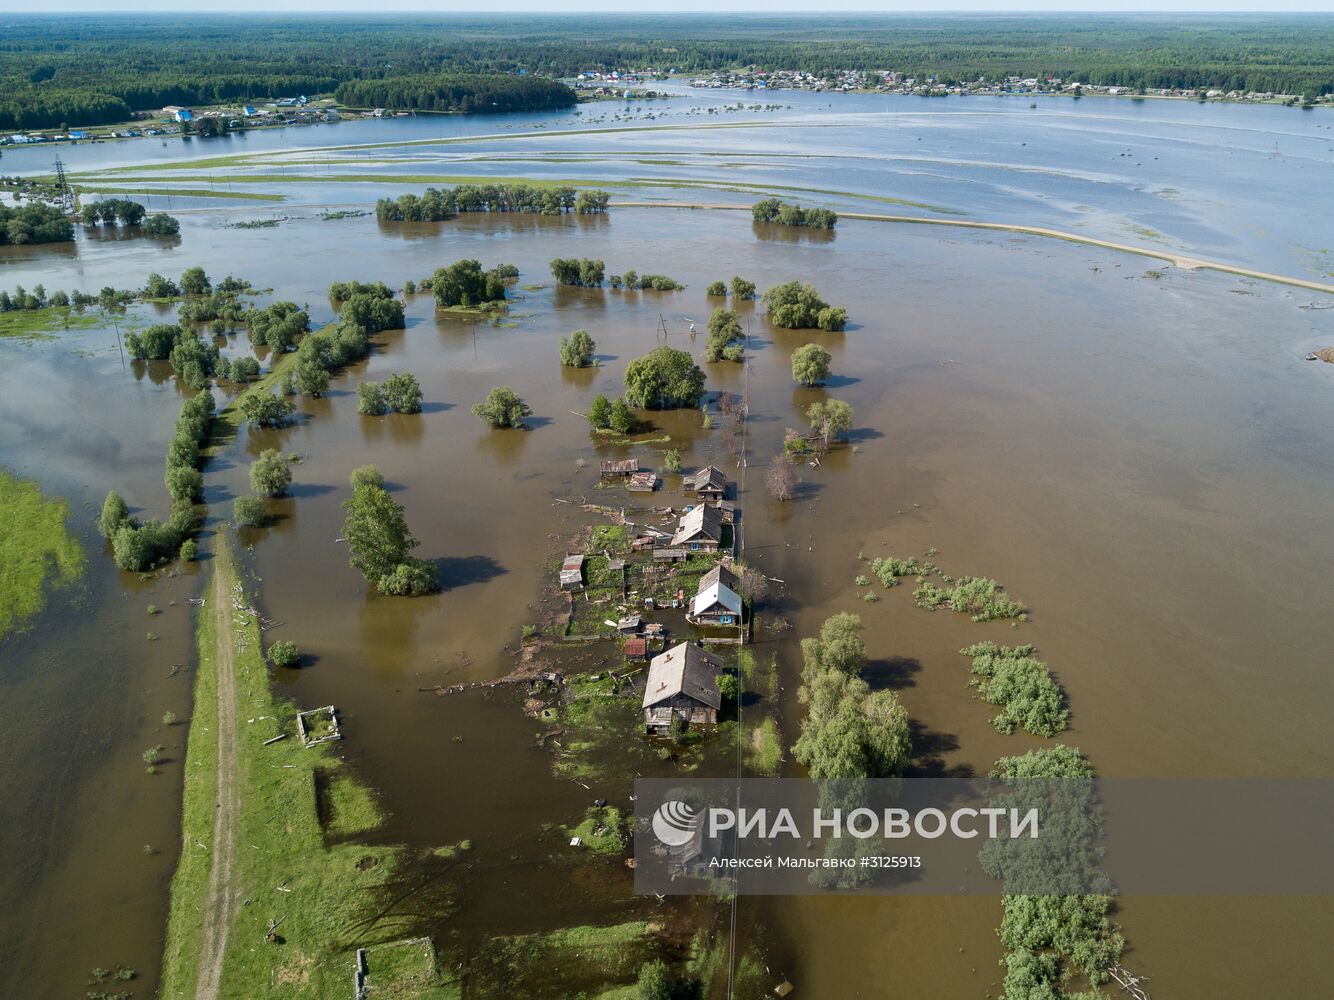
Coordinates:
(1138, 454)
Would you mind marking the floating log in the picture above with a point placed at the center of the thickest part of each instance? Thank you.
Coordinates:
(1129, 982)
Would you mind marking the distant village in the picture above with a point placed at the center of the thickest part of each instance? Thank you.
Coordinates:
(891, 82)
(177, 120)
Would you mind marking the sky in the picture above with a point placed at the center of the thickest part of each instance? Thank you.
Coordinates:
(675, 6)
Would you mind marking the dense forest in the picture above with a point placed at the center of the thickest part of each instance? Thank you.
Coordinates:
(466, 92)
(95, 69)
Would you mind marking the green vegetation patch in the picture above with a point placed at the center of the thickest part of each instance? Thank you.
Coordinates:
(42, 324)
(575, 961)
(36, 550)
(764, 749)
(890, 569)
(408, 970)
(611, 538)
(1011, 677)
(348, 806)
(602, 737)
(978, 597)
(602, 830)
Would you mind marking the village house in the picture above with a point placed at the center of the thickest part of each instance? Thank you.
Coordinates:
(625, 467)
(682, 683)
(709, 483)
(700, 530)
(717, 602)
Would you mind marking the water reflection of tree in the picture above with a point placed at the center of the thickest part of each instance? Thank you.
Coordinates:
(772, 232)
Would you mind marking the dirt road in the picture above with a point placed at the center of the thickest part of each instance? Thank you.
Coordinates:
(220, 904)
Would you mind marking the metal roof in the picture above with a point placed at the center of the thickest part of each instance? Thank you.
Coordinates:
(684, 669)
(718, 593)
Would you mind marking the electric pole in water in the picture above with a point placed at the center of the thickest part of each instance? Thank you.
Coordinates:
(63, 190)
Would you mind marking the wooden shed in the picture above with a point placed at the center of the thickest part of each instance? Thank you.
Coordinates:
(625, 467)
(642, 482)
(572, 572)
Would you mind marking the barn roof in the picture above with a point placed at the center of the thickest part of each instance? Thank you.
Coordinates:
(684, 669)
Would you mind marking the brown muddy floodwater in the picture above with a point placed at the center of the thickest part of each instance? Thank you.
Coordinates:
(1144, 462)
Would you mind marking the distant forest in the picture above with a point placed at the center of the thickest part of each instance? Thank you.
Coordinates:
(88, 70)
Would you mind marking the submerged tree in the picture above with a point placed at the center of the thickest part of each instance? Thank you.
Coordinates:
(725, 337)
(795, 306)
(599, 412)
(379, 540)
(271, 473)
(503, 408)
(248, 511)
(264, 409)
(810, 364)
(665, 378)
(576, 350)
(465, 284)
(849, 731)
(114, 514)
(830, 418)
(780, 479)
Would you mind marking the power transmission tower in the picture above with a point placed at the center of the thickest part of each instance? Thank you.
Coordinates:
(63, 191)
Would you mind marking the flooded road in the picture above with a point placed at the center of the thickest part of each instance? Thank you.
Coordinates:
(1139, 455)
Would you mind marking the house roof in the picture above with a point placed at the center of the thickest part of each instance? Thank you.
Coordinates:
(718, 593)
(707, 476)
(706, 522)
(719, 574)
(572, 570)
(687, 670)
(636, 647)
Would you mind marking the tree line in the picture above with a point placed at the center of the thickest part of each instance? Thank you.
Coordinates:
(33, 224)
(438, 204)
(468, 93)
(773, 210)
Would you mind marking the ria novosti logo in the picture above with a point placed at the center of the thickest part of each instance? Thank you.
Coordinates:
(674, 823)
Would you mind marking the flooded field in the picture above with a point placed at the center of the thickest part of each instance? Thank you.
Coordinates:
(1137, 453)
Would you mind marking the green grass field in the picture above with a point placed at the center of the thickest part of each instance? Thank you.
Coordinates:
(327, 894)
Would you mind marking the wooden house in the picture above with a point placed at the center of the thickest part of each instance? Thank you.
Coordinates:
(636, 648)
(572, 572)
(700, 530)
(682, 683)
(716, 603)
(708, 483)
(612, 469)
